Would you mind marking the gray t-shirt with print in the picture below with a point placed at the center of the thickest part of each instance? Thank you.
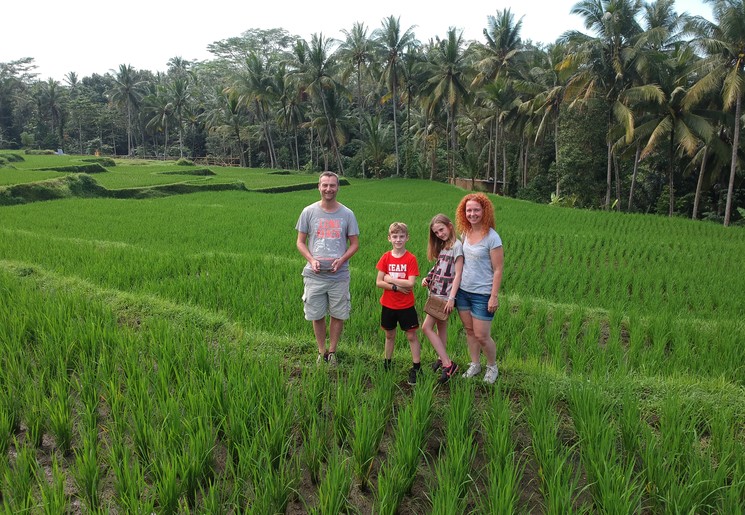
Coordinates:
(327, 238)
(478, 273)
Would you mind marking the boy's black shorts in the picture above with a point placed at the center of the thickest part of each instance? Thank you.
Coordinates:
(406, 319)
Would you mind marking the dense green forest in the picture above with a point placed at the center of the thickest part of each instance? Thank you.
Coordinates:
(641, 112)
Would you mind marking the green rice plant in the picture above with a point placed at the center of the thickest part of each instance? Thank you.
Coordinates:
(315, 445)
(558, 479)
(6, 429)
(167, 487)
(679, 475)
(553, 340)
(53, 498)
(140, 414)
(347, 397)
(196, 460)
(19, 480)
(129, 477)
(274, 482)
(314, 395)
(727, 455)
(333, 492)
(277, 434)
(34, 412)
(212, 497)
(449, 489)
(397, 474)
(369, 424)
(87, 472)
(391, 479)
(504, 470)
(613, 484)
(240, 420)
(630, 425)
(59, 413)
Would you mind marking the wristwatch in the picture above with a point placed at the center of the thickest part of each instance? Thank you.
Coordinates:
(394, 287)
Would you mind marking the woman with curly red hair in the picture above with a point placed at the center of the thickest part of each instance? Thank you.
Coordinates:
(478, 296)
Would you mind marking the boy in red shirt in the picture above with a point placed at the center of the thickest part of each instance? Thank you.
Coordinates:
(397, 273)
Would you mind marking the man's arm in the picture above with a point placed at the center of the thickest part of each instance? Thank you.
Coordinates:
(302, 246)
(354, 245)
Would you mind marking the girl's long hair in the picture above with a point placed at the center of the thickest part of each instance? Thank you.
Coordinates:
(435, 244)
(487, 221)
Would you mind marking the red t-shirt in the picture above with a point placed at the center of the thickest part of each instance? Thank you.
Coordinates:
(400, 268)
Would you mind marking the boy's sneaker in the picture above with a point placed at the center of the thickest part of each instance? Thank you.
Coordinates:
(473, 369)
(492, 371)
(448, 372)
(320, 359)
(413, 372)
(331, 359)
(436, 365)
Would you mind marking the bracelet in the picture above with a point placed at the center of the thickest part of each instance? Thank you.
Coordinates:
(451, 298)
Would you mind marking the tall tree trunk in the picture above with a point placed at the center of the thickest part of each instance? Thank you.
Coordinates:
(556, 155)
(525, 164)
(496, 154)
(297, 152)
(671, 171)
(609, 175)
(395, 124)
(699, 184)
(617, 168)
(333, 140)
(633, 175)
(733, 165)
(504, 168)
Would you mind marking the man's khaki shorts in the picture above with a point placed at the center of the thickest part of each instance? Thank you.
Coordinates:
(321, 297)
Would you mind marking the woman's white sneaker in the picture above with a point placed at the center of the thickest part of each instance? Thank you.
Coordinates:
(474, 369)
(492, 372)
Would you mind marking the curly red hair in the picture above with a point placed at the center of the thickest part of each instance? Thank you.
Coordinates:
(487, 221)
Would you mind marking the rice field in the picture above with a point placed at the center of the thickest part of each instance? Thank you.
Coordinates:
(154, 358)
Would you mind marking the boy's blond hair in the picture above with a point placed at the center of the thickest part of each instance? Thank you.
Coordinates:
(398, 227)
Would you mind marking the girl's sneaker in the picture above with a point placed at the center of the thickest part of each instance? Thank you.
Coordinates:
(436, 365)
(448, 372)
(473, 369)
(491, 374)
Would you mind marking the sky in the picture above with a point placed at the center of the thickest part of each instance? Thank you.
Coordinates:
(89, 36)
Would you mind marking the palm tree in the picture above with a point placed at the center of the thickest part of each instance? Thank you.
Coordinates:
(256, 90)
(393, 43)
(503, 49)
(51, 103)
(375, 145)
(605, 67)
(724, 70)
(315, 66)
(180, 96)
(127, 91)
(549, 81)
(448, 83)
(497, 61)
(414, 76)
(673, 122)
(358, 52)
(159, 109)
(291, 112)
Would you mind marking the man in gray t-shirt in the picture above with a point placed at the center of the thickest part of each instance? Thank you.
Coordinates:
(327, 236)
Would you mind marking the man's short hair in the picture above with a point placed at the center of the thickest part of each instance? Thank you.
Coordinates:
(328, 174)
(398, 227)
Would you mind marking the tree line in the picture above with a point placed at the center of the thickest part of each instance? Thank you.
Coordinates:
(641, 112)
